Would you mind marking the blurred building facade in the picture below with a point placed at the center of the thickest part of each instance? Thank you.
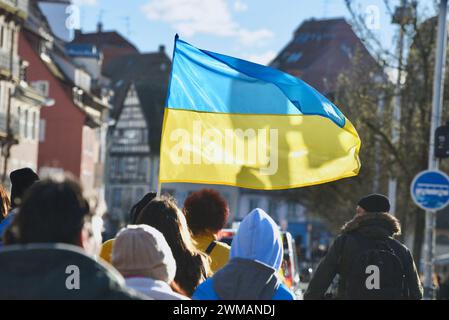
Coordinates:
(20, 103)
(71, 137)
(320, 51)
(140, 83)
(111, 44)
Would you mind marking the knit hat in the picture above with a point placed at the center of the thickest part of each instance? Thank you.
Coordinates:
(21, 180)
(375, 203)
(141, 250)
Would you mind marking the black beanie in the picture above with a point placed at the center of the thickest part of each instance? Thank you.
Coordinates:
(21, 180)
(375, 203)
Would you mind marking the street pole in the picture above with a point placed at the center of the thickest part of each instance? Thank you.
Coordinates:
(395, 130)
(437, 104)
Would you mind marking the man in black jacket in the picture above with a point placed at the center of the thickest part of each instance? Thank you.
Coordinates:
(369, 235)
(50, 249)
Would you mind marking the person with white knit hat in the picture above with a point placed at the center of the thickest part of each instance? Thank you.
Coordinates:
(141, 254)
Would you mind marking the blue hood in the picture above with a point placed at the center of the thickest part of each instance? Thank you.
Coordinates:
(258, 238)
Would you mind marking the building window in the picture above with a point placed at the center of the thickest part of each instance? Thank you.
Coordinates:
(127, 200)
(113, 167)
(43, 87)
(294, 57)
(2, 36)
(29, 125)
(116, 197)
(132, 136)
(34, 126)
(347, 50)
(42, 130)
(19, 118)
(121, 166)
(144, 136)
(116, 133)
(6, 37)
(23, 123)
(144, 167)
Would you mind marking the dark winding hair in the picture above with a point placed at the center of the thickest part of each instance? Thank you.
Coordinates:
(51, 212)
(5, 203)
(135, 210)
(206, 210)
(192, 266)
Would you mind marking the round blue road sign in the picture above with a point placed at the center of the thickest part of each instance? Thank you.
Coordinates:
(430, 190)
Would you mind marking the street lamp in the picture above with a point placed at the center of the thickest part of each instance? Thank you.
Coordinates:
(437, 106)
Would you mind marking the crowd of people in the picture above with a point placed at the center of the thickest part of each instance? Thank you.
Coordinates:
(52, 249)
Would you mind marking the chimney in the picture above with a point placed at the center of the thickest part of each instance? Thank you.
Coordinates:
(161, 48)
(99, 27)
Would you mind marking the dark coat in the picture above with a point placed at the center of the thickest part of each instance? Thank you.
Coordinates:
(40, 271)
(338, 259)
(443, 291)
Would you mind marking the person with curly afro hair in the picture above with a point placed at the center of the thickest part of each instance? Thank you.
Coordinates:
(207, 212)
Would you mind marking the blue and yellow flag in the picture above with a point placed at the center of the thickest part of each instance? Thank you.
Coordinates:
(232, 122)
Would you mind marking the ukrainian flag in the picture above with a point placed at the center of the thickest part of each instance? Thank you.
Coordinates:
(232, 122)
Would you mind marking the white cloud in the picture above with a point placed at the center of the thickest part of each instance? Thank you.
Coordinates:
(85, 2)
(254, 38)
(264, 58)
(240, 6)
(189, 17)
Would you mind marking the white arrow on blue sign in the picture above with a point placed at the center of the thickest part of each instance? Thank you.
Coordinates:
(430, 190)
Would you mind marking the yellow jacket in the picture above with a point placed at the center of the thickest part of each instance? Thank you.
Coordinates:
(219, 255)
(106, 250)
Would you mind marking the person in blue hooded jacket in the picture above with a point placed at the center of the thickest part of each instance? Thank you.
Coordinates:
(252, 272)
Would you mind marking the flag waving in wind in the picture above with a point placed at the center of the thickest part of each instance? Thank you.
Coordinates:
(232, 122)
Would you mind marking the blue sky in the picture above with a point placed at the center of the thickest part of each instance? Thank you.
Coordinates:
(251, 29)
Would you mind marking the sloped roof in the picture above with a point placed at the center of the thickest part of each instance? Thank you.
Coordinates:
(150, 73)
(110, 43)
(104, 39)
(82, 50)
(319, 51)
(135, 67)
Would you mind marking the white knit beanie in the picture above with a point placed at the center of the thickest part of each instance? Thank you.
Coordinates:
(141, 250)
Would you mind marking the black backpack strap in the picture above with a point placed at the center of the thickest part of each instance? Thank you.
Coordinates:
(211, 247)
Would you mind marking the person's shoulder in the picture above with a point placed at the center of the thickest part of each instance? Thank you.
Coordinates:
(108, 243)
(106, 250)
(223, 247)
(6, 222)
(399, 247)
(205, 291)
(283, 293)
(220, 256)
(341, 240)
